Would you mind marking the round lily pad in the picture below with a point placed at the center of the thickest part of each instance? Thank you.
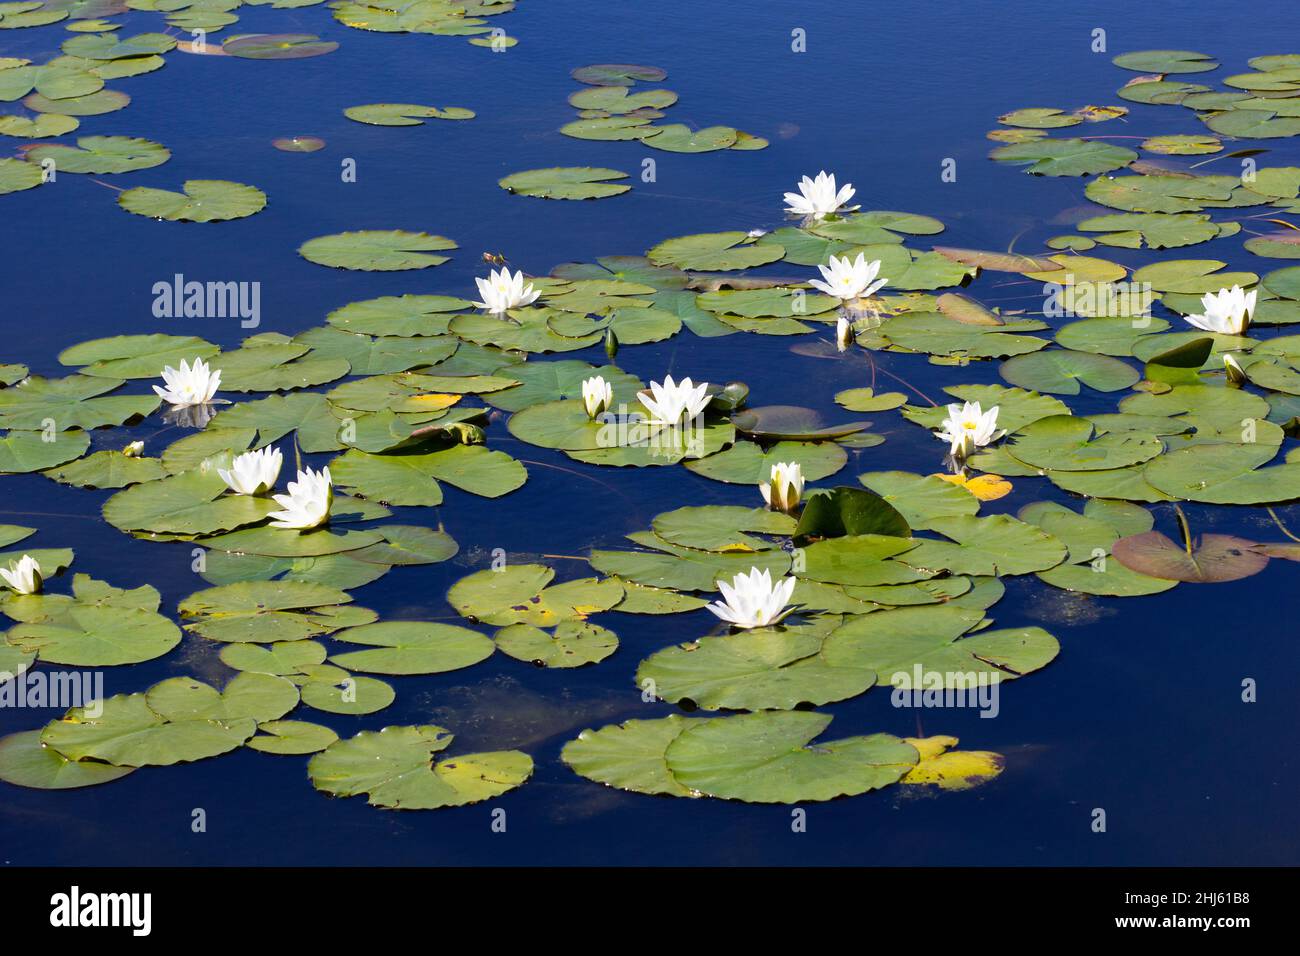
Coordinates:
(291, 737)
(349, 695)
(101, 154)
(201, 200)
(617, 74)
(278, 46)
(1213, 558)
(24, 762)
(1061, 372)
(90, 104)
(771, 758)
(130, 734)
(298, 144)
(395, 768)
(412, 647)
(404, 114)
(573, 644)
(16, 175)
(630, 755)
(377, 250)
(1166, 61)
(566, 182)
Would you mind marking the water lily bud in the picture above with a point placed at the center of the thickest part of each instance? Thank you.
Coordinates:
(611, 343)
(844, 334)
(1236, 374)
(785, 489)
(597, 396)
(134, 450)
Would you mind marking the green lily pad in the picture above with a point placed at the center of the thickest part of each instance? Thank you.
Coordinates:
(523, 594)
(108, 469)
(352, 696)
(988, 546)
(412, 647)
(377, 250)
(192, 502)
(16, 175)
(630, 755)
(722, 527)
(23, 452)
(921, 499)
(43, 126)
(618, 100)
(679, 138)
(791, 423)
(24, 762)
(1065, 157)
(282, 659)
(90, 635)
(129, 734)
(761, 669)
(566, 182)
(135, 356)
(101, 154)
(770, 758)
(617, 74)
(77, 401)
(90, 104)
(277, 46)
(896, 642)
(1039, 117)
(610, 128)
(263, 697)
(1155, 193)
(713, 252)
(1225, 474)
(573, 644)
(291, 737)
(404, 114)
(1183, 145)
(201, 200)
(747, 463)
(1066, 443)
(1166, 61)
(1253, 124)
(395, 768)
(1062, 371)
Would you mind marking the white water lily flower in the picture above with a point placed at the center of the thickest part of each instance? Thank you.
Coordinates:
(190, 384)
(672, 401)
(968, 427)
(307, 505)
(786, 487)
(752, 600)
(23, 576)
(502, 291)
(597, 395)
(1228, 311)
(847, 280)
(254, 472)
(818, 197)
(1236, 374)
(134, 450)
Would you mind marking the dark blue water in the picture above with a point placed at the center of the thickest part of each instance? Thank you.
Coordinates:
(1140, 715)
